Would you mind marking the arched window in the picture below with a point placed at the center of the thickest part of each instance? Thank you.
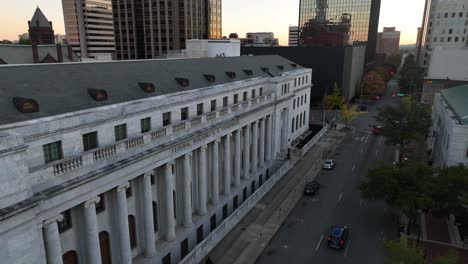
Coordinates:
(104, 244)
(70, 257)
(132, 231)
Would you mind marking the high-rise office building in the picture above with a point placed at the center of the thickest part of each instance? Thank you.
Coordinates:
(388, 41)
(352, 22)
(145, 29)
(293, 36)
(40, 29)
(89, 27)
(444, 25)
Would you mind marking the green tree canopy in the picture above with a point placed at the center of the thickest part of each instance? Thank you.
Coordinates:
(411, 75)
(451, 258)
(398, 252)
(348, 113)
(335, 100)
(402, 124)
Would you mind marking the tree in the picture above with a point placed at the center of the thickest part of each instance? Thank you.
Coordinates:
(402, 124)
(411, 75)
(448, 191)
(394, 60)
(372, 84)
(24, 42)
(451, 258)
(335, 100)
(348, 113)
(403, 186)
(398, 252)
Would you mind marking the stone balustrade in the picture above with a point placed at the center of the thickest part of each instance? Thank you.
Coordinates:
(67, 165)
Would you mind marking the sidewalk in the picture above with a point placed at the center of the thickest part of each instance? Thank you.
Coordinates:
(247, 240)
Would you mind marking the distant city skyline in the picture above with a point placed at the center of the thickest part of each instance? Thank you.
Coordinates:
(254, 16)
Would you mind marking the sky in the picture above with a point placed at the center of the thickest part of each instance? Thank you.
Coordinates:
(239, 16)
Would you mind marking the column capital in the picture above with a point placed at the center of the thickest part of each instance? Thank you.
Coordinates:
(54, 219)
(91, 201)
(248, 125)
(123, 187)
(204, 147)
(217, 141)
(147, 175)
(170, 163)
(229, 135)
(188, 155)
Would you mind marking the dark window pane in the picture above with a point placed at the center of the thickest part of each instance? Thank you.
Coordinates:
(90, 141)
(166, 118)
(120, 132)
(52, 151)
(213, 105)
(184, 113)
(199, 109)
(101, 206)
(145, 124)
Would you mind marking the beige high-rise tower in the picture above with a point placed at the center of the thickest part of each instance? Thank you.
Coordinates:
(89, 27)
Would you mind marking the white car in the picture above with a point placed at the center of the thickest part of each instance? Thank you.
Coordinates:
(329, 164)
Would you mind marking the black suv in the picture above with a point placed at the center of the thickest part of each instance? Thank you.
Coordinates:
(311, 188)
(338, 237)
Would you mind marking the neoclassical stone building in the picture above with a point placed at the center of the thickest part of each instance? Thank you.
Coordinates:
(140, 161)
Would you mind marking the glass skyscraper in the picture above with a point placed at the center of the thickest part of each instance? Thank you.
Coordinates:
(358, 18)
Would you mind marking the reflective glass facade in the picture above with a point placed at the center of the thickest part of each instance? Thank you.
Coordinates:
(214, 19)
(364, 15)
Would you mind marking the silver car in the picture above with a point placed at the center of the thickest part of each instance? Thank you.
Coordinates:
(329, 164)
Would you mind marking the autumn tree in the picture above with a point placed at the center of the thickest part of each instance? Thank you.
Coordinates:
(348, 113)
(372, 84)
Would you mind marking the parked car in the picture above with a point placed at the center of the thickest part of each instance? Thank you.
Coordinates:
(363, 108)
(329, 164)
(338, 237)
(311, 188)
(376, 130)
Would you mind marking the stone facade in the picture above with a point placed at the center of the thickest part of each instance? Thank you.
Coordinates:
(152, 196)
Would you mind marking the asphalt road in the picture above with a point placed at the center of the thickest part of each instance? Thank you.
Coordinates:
(303, 236)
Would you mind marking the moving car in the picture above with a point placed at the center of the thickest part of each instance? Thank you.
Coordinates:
(338, 237)
(311, 188)
(329, 164)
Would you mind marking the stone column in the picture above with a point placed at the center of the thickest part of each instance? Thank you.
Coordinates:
(92, 237)
(261, 144)
(227, 164)
(169, 202)
(122, 220)
(202, 182)
(52, 240)
(237, 158)
(187, 204)
(254, 147)
(148, 221)
(268, 139)
(246, 162)
(215, 172)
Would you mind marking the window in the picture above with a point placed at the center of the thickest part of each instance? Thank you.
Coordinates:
(295, 82)
(225, 212)
(132, 231)
(213, 105)
(302, 100)
(253, 186)
(166, 259)
(294, 103)
(445, 15)
(145, 124)
(307, 78)
(213, 222)
(184, 113)
(199, 109)
(166, 118)
(253, 93)
(52, 151)
(244, 96)
(435, 39)
(120, 132)
(234, 203)
(244, 194)
(260, 92)
(184, 250)
(155, 216)
(460, 14)
(90, 141)
(101, 206)
(453, 14)
(66, 223)
(450, 31)
(297, 122)
(225, 101)
(305, 99)
(449, 39)
(236, 98)
(200, 234)
(292, 127)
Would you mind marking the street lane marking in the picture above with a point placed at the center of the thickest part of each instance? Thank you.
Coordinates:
(366, 138)
(341, 194)
(362, 139)
(347, 246)
(380, 140)
(318, 245)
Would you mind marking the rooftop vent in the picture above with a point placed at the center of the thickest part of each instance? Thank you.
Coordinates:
(26, 105)
(231, 75)
(267, 70)
(184, 82)
(281, 67)
(2, 61)
(147, 87)
(248, 72)
(294, 65)
(98, 94)
(210, 77)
